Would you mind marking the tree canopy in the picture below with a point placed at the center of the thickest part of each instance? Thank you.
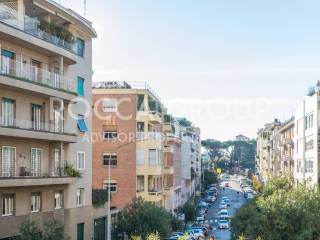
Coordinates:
(282, 211)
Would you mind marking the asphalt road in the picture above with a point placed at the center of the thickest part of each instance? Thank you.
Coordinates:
(236, 202)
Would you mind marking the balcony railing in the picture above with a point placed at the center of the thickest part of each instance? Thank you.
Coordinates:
(33, 74)
(143, 136)
(10, 122)
(31, 25)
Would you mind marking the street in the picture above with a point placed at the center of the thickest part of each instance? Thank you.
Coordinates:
(235, 202)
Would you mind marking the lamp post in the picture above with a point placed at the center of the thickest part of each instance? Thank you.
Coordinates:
(109, 192)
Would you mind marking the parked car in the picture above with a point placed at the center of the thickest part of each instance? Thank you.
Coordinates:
(224, 214)
(223, 224)
(198, 233)
(226, 201)
(222, 205)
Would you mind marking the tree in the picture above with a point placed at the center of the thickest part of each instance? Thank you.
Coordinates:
(282, 211)
(29, 231)
(209, 178)
(141, 218)
(189, 210)
(52, 230)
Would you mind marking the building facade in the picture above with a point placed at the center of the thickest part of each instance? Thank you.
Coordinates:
(287, 147)
(132, 139)
(242, 138)
(45, 119)
(306, 130)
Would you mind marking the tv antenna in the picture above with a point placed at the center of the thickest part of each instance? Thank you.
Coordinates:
(84, 7)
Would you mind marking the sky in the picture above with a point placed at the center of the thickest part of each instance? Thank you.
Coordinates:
(229, 66)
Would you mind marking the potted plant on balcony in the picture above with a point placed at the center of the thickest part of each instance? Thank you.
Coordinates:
(70, 171)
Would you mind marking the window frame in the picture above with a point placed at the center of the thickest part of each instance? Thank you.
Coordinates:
(108, 108)
(60, 198)
(80, 197)
(36, 196)
(112, 154)
(114, 135)
(78, 160)
(11, 197)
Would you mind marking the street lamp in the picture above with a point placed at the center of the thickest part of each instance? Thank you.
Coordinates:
(109, 191)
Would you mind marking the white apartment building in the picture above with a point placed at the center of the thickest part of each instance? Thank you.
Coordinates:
(306, 165)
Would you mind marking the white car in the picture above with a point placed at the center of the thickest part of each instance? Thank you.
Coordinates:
(223, 224)
(197, 233)
(222, 205)
(224, 214)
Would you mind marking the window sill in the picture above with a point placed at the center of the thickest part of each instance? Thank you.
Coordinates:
(7, 215)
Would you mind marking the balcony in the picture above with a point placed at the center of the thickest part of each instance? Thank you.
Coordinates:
(173, 138)
(149, 116)
(18, 75)
(168, 149)
(31, 32)
(149, 136)
(168, 170)
(31, 130)
(35, 181)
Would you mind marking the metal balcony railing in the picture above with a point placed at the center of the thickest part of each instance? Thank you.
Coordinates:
(143, 136)
(31, 25)
(33, 74)
(40, 126)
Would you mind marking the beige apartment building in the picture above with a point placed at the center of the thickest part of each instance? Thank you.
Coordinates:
(287, 147)
(45, 121)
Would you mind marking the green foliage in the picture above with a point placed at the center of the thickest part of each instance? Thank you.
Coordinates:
(230, 154)
(189, 210)
(99, 197)
(29, 231)
(71, 171)
(52, 231)
(153, 236)
(282, 211)
(209, 178)
(136, 238)
(142, 218)
(57, 31)
(311, 91)
(256, 184)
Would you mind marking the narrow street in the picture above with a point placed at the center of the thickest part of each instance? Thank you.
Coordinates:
(236, 202)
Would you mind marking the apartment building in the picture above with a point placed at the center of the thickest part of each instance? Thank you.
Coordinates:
(268, 152)
(306, 132)
(242, 138)
(190, 158)
(130, 121)
(45, 78)
(286, 147)
(172, 163)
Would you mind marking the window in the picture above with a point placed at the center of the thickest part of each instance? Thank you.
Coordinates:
(309, 121)
(140, 157)
(80, 88)
(109, 105)
(81, 160)
(82, 124)
(36, 116)
(80, 231)
(57, 162)
(110, 135)
(140, 183)
(7, 112)
(35, 202)
(80, 197)
(80, 46)
(140, 126)
(7, 204)
(36, 156)
(8, 163)
(113, 186)
(58, 199)
(309, 145)
(140, 102)
(110, 159)
(154, 157)
(309, 166)
(7, 62)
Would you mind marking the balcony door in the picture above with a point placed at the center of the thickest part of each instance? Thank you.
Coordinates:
(7, 62)
(36, 71)
(56, 77)
(57, 171)
(36, 157)
(8, 161)
(36, 117)
(7, 112)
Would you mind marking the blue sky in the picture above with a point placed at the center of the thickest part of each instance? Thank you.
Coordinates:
(230, 66)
